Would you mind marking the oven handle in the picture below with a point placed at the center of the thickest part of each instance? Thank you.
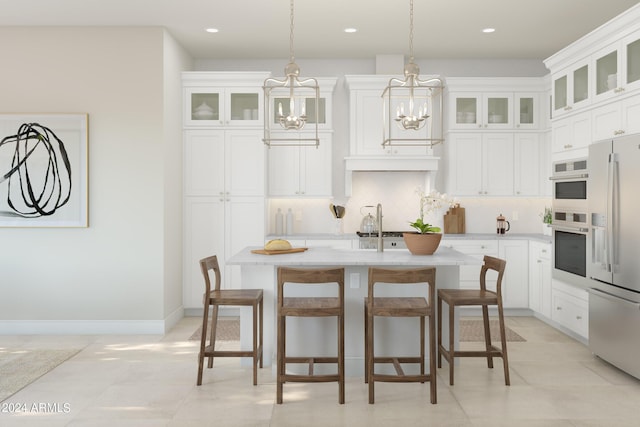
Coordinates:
(579, 230)
(569, 177)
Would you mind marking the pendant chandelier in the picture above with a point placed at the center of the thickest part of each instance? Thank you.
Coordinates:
(286, 103)
(412, 108)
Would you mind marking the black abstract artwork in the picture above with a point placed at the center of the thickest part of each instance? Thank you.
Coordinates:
(39, 176)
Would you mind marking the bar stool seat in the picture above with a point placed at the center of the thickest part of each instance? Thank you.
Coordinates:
(309, 307)
(420, 307)
(474, 297)
(229, 297)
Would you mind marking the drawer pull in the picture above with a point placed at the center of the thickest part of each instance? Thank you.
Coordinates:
(579, 317)
(558, 308)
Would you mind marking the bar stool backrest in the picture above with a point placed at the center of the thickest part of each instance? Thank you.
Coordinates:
(495, 264)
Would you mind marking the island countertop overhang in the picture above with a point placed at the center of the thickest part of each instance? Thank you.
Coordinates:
(319, 256)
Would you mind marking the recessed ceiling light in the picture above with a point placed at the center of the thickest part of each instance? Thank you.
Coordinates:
(211, 30)
(350, 30)
(488, 30)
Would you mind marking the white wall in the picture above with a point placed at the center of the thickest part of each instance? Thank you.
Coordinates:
(121, 272)
(176, 60)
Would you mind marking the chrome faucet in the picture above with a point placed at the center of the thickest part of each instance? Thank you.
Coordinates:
(379, 226)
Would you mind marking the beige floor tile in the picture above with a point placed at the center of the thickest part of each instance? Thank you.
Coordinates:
(149, 380)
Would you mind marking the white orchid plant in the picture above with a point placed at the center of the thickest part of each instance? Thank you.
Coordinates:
(430, 203)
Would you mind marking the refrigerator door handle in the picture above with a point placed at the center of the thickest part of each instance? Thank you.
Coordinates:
(610, 186)
(611, 297)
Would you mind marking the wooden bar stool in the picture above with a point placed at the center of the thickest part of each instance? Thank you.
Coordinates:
(471, 297)
(309, 307)
(401, 307)
(234, 297)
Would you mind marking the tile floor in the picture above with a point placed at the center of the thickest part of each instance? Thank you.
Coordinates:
(150, 381)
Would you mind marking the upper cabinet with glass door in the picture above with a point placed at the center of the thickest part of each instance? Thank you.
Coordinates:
(213, 99)
(617, 68)
(471, 110)
(477, 103)
(571, 88)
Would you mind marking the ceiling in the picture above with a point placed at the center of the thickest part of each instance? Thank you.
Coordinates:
(445, 29)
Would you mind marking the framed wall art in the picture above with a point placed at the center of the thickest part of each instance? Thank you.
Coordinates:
(44, 170)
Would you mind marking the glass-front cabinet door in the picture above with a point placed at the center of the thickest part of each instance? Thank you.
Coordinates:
(631, 70)
(474, 110)
(224, 107)
(527, 110)
(580, 87)
(571, 88)
(465, 112)
(497, 110)
(606, 66)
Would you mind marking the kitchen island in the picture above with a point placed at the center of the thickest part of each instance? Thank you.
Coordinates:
(399, 335)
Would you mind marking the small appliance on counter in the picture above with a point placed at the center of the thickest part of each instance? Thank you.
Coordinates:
(502, 225)
(368, 223)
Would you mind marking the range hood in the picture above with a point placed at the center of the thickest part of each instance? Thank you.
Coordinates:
(391, 163)
(428, 164)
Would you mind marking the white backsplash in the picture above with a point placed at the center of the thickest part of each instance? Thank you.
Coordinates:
(396, 192)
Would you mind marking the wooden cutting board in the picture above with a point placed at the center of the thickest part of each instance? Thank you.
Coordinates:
(454, 221)
(284, 251)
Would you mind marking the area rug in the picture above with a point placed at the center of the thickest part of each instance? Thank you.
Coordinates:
(470, 330)
(228, 330)
(20, 367)
(473, 330)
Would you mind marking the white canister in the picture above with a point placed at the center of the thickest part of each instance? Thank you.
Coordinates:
(289, 222)
(279, 222)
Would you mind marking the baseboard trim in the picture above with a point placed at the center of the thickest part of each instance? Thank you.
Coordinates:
(172, 319)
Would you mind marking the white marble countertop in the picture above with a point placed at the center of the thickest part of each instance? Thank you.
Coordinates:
(338, 257)
(466, 236)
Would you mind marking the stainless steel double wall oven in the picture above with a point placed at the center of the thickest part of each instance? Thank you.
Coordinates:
(570, 221)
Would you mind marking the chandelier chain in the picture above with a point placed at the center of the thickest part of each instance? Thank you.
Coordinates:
(291, 57)
(411, 30)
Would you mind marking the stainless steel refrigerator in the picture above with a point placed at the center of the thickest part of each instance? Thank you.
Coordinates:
(613, 255)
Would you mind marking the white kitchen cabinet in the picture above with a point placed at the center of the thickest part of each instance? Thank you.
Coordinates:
(481, 111)
(528, 152)
(224, 162)
(477, 103)
(490, 111)
(224, 201)
(515, 283)
(617, 68)
(527, 110)
(221, 99)
(616, 118)
(572, 135)
(470, 274)
(540, 278)
(571, 88)
(302, 171)
(224, 172)
(222, 227)
(570, 308)
(366, 120)
(481, 164)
